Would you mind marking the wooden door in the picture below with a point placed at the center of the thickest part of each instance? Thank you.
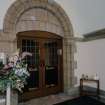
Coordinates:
(52, 67)
(45, 66)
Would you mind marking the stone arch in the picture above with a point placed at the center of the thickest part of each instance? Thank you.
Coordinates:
(39, 19)
(20, 6)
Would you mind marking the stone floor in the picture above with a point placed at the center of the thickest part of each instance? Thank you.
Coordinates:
(48, 100)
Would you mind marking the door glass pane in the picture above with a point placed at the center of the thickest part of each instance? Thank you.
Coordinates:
(51, 63)
(33, 62)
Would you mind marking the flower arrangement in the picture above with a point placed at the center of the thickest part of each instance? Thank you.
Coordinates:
(15, 71)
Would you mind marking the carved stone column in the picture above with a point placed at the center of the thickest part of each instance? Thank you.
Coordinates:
(68, 59)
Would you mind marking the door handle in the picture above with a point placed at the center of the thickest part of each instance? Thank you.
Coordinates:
(42, 63)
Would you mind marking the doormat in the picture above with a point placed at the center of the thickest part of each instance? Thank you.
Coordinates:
(85, 100)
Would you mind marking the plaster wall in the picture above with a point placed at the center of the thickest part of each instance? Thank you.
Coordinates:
(91, 60)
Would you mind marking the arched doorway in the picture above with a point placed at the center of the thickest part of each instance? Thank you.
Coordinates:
(42, 15)
(45, 66)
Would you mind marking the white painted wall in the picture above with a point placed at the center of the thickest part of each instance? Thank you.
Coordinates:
(91, 60)
(86, 15)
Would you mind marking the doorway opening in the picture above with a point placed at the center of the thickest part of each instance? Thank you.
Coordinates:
(45, 66)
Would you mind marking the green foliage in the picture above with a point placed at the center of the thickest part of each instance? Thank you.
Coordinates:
(17, 82)
(15, 72)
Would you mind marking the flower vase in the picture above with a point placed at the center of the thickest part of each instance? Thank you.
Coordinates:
(8, 94)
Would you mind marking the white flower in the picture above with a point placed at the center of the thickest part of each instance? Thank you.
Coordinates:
(14, 59)
(24, 54)
(18, 69)
(21, 72)
(19, 85)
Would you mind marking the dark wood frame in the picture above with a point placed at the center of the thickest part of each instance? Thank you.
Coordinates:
(43, 36)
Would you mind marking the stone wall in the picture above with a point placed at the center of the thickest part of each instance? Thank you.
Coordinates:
(7, 43)
(39, 19)
(43, 15)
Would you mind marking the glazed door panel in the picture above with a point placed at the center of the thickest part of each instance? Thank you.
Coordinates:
(45, 66)
(51, 63)
(30, 45)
